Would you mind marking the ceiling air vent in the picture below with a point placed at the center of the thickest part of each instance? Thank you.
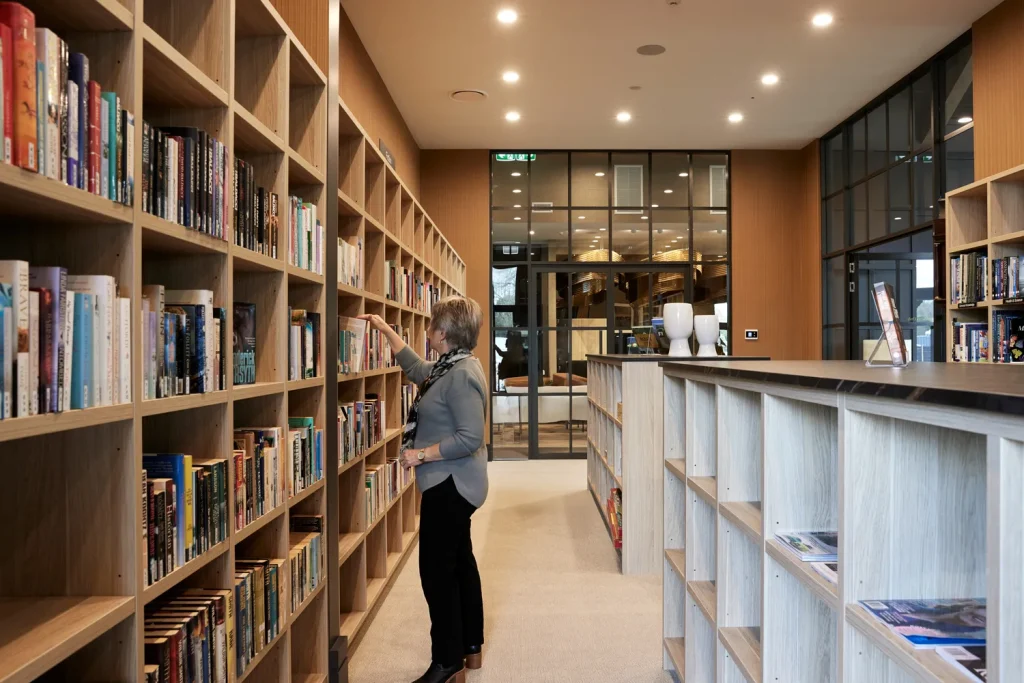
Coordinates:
(468, 95)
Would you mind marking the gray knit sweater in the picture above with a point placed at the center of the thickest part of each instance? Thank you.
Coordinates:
(452, 414)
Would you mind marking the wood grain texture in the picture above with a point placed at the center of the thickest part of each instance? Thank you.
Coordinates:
(776, 237)
(744, 645)
(739, 445)
(643, 468)
(702, 645)
(308, 20)
(746, 516)
(1005, 547)
(675, 653)
(998, 55)
(739, 578)
(674, 596)
(827, 592)
(701, 443)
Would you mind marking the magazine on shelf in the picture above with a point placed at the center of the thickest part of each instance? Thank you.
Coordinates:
(933, 623)
(812, 546)
(828, 570)
(970, 660)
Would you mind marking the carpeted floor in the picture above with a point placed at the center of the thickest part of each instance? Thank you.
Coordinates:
(556, 607)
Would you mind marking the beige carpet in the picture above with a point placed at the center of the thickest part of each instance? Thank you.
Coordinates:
(556, 606)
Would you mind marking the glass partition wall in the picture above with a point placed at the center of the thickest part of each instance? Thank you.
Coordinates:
(586, 248)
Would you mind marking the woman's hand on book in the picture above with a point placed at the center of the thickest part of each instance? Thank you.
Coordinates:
(375, 321)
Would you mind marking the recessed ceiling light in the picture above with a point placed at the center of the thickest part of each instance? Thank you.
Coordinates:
(583, 218)
(668, 191)
(770, 79)
(516, 191)
(600, 174)
(684, 174)
(512, 116)
(602, 229)
(517, 206)
(898, 218)
(735, 117)
(654, 206)
(508, 16)
(510, 77)
(643, 218)
(517, 218)
(623, 116)
(516, 174)
(533, 232)
(822, 19)
(964, 120)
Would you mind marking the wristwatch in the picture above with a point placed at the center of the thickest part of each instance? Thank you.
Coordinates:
(422, 455)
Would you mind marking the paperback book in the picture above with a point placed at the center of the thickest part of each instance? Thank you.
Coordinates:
(828, 570)
(245, 343)
(933, 623)
(971, 660)
(812, 546)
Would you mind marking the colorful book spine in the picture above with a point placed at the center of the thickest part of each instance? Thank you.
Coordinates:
(81, 364)
(105, 186)
(111, 144)
(7, 83)
(22, 23)
(79, 75)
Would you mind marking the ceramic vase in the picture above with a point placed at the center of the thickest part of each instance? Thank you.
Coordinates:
(678, 327)
(706, 327)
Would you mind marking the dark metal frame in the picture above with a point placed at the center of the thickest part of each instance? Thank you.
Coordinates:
(608, 268)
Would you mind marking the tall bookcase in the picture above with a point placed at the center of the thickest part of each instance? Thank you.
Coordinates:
(72, 586)
(986, 218)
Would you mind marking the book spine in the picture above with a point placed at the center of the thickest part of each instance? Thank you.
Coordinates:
(80, 361)
(62, 88)
(7, 83)
(128, 161)
(22, 23)
(40, 108)
(105, 146)
(33, 353)
(95, 167)
(145, 169)
(118, 146)
(73, 132)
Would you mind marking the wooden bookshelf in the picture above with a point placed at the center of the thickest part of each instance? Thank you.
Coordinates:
(73, 590)
(919, 491)
(986, 218)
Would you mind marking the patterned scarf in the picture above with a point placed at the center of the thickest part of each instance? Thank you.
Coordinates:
(441, 368)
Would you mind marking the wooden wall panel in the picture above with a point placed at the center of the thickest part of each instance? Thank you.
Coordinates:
(999, 89)
(776, 253)
(365, 93)
(307, 19)
(456, 193)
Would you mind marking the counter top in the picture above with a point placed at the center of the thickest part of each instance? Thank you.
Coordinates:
(655, 357)
(982, 386)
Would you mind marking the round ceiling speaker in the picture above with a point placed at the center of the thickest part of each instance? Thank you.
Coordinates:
(650, 50)
(468, 95)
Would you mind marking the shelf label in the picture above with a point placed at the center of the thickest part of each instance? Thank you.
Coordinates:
(1014, 300)
(386, 152)
(962, 306)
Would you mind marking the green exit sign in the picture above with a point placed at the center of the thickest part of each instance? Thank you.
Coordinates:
(515, 157)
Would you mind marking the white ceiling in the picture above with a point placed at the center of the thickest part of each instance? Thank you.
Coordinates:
(577, 59)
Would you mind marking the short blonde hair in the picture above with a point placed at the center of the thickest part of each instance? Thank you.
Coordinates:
(459, 317)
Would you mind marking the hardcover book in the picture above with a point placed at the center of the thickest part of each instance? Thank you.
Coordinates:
(244, 343)
(7, 84)
(812, 546)
(22, 23)
(931, 623)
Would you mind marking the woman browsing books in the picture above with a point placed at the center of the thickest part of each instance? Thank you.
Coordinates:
(444, 441)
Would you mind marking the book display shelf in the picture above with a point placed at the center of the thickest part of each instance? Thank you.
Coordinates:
(985, 296)
(915, 486)
(74, 586)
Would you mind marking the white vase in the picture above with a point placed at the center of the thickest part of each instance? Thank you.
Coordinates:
(706, 327)
(678, 327)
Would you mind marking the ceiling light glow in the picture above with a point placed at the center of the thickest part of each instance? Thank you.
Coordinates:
(770, 79)
(668, 191)
(600, 174)
(516, 191)
(516, 174)
(583, 218)
(623, 117)
(508, 16)
(735, 117)
(684, 174)
(964, 120)
(822, 19)
(510, 77)
(517, 206)
(517, 218)
(512, 116)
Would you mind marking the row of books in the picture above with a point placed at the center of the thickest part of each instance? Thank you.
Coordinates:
(350, 262)
(244, 351)
(260, 615)
(306, 454)
(260, 473)
(307, 560)
(1007, 280)
(382, 486)
(970, 342)
(361, 426)
(184, 177)
(305, 236)
(398, 285)
(304, 361)
(189, 637)
(967, 277)
(185, 509)
(361, 348)
(408, 392)
(613, 507)
(65, 341)
(256, 212)
(55, 120)
(184, 341)
(1008, 337)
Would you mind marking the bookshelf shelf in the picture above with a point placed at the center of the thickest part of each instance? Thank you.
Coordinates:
(241, 392)
(259, 523)
(305, 493)
(827, 592)
(52, 423)
(30, 195)
(174, 404)
(301, 276)
(172, 80)
(746, 516)
(164, 236)
(704, 593)
(252, 135)
(744, 644)
(37, 633)
(301, 172)
(307, 602)
(705, 487)
(304, 71)
(70, 16)
(677, 560)
(249, 261)
(677, 466)
(155, 590)
(347, 206)
(257, 18)
(348, 544)
(299, 384)
(254, 663)
(355, 462)
(675, 649)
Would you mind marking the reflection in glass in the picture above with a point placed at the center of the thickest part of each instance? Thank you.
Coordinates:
(549, 180)
(710, 236)
(959, 95)
(858, 149)
(922, 94)
(553, 299)
(835, 290)
(670, 179)
(833, 343)
(506, 177)
(550, 238)
(877, 157)
(631, 236)
(924, 188)
(710, 180)
(510, 296)
(899, 124)
(511, 355)
(589, 235)
(508, 226)
(590, 178)
(710, 291)
(876, 199)
(835, 225)
(834, 163)
(899, 197)
(860, 213)
(631, 188)
(509, 416)
(671, 235)
(959, 153)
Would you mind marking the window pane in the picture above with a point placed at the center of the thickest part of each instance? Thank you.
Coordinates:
(899, 197)
(631, 236)
(860, 213)
(833, 342)
(835, 224)
(834, 163)
(876, 139)
(876, 200)
(508, 227)
(671, 179)
(550, 235)
(710, 180)
(835, 290)
(590, 179)
(710, 235)
(549, 180)
(710, 290)
(631, 188)
(672, 243)
(859, 147)
(630, 293)
(506, 178)
(960, 160)
(924, 189)
(959, 99)
(922, 93)
(899, 125)
(589, 233)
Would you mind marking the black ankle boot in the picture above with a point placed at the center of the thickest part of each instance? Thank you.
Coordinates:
(442, 674)
(474, 657)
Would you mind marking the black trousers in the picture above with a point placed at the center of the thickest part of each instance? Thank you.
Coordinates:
(448, 574)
